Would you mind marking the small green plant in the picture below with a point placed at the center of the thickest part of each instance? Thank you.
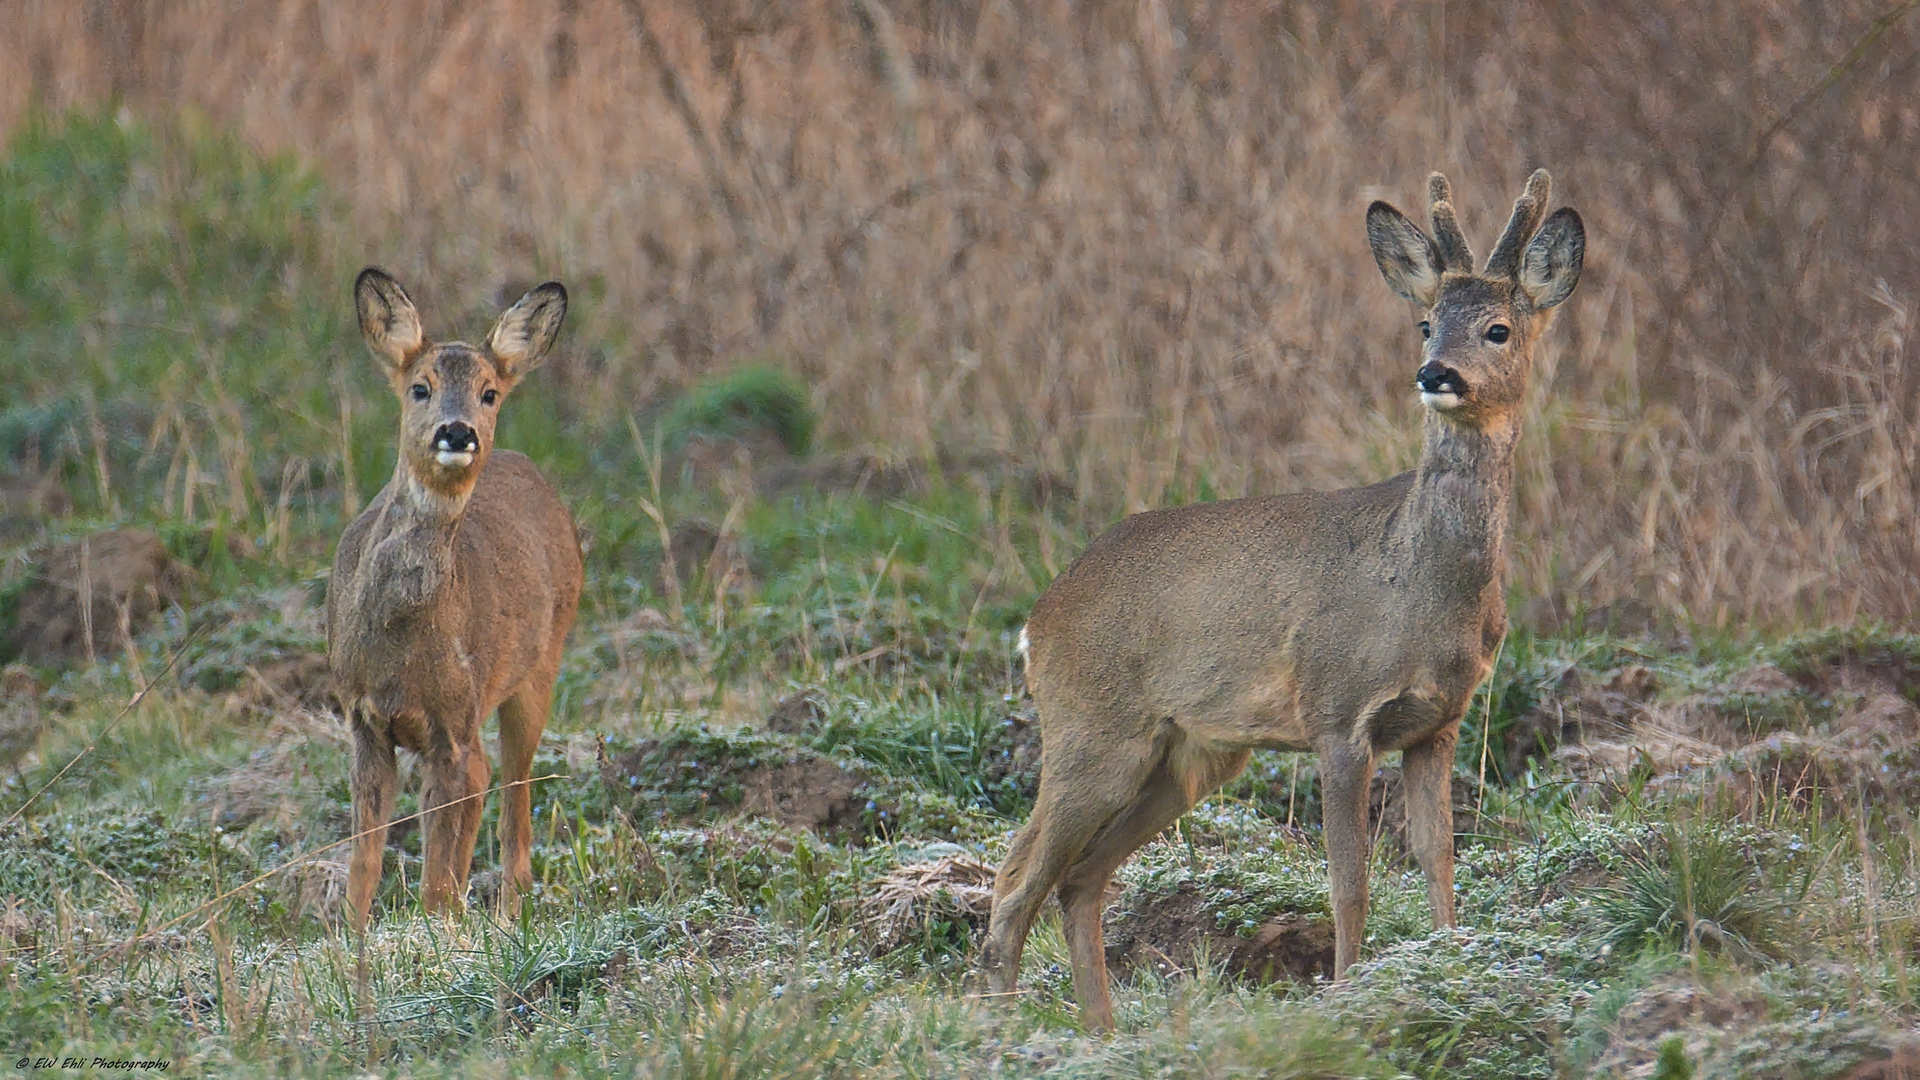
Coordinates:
(1697, 885)
(1673, 1063)
(741, 402)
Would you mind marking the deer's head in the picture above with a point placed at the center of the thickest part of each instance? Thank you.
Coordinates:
(450, 394)
(1479, 329)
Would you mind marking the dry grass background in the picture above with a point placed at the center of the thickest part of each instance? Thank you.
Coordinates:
(1124, 240)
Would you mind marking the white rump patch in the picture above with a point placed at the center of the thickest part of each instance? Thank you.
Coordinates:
(1022, 646)
(458, 459)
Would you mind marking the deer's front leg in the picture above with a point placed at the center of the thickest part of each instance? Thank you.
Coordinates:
(1345, 774)
(1429, 794)
(375, 779)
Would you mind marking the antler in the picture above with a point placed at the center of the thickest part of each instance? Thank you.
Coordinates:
(1455, 254)
(1528, 209)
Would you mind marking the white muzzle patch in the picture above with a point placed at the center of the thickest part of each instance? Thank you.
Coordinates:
(456, 459)
(1444, 401)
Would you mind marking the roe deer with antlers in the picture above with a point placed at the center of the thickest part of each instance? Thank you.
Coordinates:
(451, 597)
(1351, 623)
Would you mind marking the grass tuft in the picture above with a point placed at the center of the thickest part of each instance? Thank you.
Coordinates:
(1700, 885)
(745, 402)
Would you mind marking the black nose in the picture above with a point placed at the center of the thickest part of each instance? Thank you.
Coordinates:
(1437, 378)
(457, 437)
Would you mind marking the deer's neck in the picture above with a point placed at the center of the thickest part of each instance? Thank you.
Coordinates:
(1457, 512)
(411, 561)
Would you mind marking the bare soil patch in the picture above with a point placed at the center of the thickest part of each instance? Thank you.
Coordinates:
(797, 712)
(1675, 1005)
(1902, 1064)
(21, 716)
(703, 552)
(811, 793)
(27, 502)
(88, 597)
(796, 787)
(1168, 933)
(870, 475)
(1581, 709)
(1020, 759)
(303, 682)
(1734, 736)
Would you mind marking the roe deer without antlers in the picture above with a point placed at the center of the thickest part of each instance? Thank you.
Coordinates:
(451, 596)
(1351, 623)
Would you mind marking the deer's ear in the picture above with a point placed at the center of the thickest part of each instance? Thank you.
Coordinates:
(527, 330)
(1550, 266)
(388, 318)
(1407, 256)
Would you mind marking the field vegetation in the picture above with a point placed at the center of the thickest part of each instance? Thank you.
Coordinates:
(882, 310)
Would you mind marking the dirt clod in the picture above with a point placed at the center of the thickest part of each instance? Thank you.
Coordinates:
(1636, 682)
(703, 552)
(1167, 933)
(853, 474)
(88, 597)
(811, 793)
(1674, 1005)
(1020, 759)
(1762, 680)
(27, 501)
(293, 682)
(1902, 1064)
(21, 718)
(797, 787)
(797, 712)
(1580, 710)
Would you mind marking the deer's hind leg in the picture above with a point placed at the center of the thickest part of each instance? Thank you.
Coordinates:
(1184, 774)
(457, 776)
(1086, 780)
(523, 718)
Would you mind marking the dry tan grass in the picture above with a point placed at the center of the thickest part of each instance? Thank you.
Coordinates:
(1124, 240)
(911, 897)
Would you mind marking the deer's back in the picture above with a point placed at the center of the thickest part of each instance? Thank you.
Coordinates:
(505, 605)
(1248, 621)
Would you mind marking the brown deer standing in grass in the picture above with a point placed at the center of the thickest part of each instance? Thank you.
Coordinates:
(1351, 623)
(451, 596)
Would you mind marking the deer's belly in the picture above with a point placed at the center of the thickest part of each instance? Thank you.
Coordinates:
(1262, 713)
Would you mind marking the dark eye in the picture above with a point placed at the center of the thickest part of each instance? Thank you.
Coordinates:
(1498, 333)
(490, 396)
(420, 392)
(1426, 330)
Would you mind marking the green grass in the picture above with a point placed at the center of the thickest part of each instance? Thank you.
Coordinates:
(745, 401)
(181, 355)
